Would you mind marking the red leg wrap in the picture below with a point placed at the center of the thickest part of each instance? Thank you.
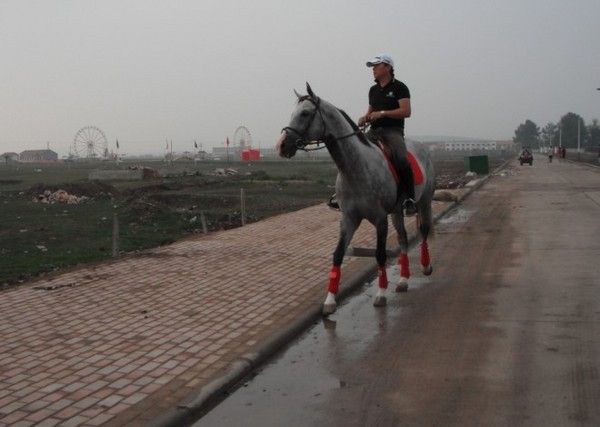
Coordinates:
(334, 279)
(383, 281)
(425, 261)
(404, 270)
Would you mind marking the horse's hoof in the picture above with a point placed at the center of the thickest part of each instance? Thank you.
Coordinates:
(428, 270)
(329, 309)
(402, 287)
(380, 302)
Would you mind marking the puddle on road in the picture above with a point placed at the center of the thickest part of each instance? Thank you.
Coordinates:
(457, 216)
(293, 388)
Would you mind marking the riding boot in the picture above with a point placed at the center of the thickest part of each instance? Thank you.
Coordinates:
(406, 187)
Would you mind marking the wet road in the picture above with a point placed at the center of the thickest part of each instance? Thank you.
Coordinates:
(505, 332)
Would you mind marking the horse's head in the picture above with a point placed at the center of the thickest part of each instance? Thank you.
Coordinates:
(306, 125)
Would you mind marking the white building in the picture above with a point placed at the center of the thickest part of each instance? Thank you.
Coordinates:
(470, 145)
(9, 157)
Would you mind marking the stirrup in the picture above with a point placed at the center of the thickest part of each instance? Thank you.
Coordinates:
(332, 203)
(410, 207)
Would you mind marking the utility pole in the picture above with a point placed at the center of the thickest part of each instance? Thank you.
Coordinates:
(578, 139)
(560, 134)
(227, 149)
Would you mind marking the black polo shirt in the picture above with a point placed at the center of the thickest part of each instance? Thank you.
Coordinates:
(386, 98)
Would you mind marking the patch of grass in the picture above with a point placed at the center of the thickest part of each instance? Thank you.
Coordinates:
(36, 238)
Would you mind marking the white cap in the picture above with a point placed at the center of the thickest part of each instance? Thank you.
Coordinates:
(382, 58)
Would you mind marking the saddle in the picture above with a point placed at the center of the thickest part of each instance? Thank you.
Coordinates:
(418, 175)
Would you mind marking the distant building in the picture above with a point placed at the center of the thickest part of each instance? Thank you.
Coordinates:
(9, 157)
(223, 153)
(505, 145)
(468, 145)
(31, 156)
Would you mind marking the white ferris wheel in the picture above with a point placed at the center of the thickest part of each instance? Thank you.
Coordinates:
(90, 143)
(242, 137)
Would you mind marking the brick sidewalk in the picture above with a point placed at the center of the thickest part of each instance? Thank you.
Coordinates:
(120, 343)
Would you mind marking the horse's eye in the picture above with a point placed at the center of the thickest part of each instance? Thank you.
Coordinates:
(304, 114)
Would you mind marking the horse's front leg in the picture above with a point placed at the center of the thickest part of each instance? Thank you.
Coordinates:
(398, 221)
(380, 254)
(347, 228)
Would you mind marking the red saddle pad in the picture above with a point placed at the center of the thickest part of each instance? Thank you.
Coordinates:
(418, 175)
(416, 168)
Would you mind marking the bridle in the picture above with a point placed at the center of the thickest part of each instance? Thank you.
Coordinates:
(302, 142)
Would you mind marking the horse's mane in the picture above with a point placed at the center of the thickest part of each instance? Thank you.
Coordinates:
(361, 135)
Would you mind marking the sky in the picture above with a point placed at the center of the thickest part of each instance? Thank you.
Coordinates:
(149, 71)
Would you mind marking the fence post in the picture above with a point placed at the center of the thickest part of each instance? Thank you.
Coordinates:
(243, 206)
(115, 236)
(203, 221)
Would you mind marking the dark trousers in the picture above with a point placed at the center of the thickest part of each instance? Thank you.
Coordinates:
(393, 139)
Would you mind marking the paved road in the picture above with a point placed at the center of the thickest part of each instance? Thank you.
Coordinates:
(124, 342)
(506, 331)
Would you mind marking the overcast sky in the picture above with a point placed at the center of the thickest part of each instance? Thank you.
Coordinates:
(145, 71)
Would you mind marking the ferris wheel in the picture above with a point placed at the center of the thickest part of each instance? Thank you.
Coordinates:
(242, 137)
(90, 142)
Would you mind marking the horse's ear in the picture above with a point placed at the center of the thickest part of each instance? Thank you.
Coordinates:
(297, 94)
(310, 91)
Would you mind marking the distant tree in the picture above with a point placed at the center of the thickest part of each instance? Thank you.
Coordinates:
(549, 135)
(593, 132)
(527, 134)
(568, 125)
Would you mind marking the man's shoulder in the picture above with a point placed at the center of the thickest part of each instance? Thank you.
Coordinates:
(401, 89)
(401, 85)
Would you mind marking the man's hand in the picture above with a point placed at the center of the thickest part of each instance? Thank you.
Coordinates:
(375, 115)
(363, 120)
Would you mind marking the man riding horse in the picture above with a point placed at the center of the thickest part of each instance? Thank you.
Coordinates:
(389, 105)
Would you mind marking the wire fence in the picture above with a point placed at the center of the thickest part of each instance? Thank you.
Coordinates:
(43, 229)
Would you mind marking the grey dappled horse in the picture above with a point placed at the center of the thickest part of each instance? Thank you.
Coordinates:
(365, 187)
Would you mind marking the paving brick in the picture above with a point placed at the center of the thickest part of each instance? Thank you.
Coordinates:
(52, 387)
(110, 401)
(36, 405)
(13, 417)
(86, 402)
(75, 421)
(48, 422)
(67, 413)
(135, 398)
(39, 415)
(136, 325)
(100, 419)
(60, 404)
(11, 407)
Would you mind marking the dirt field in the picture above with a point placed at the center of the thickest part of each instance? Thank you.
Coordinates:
(38, 237)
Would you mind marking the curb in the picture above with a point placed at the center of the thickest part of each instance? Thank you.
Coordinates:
(588, 164)
(190, 409)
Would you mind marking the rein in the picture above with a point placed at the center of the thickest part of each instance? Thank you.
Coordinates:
(302, 142)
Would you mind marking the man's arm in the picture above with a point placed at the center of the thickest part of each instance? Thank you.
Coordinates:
(402, 112)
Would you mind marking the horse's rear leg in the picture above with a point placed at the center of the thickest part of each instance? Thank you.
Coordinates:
(398, 221)
(425, 224)
(380, 254)
(347, 229)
